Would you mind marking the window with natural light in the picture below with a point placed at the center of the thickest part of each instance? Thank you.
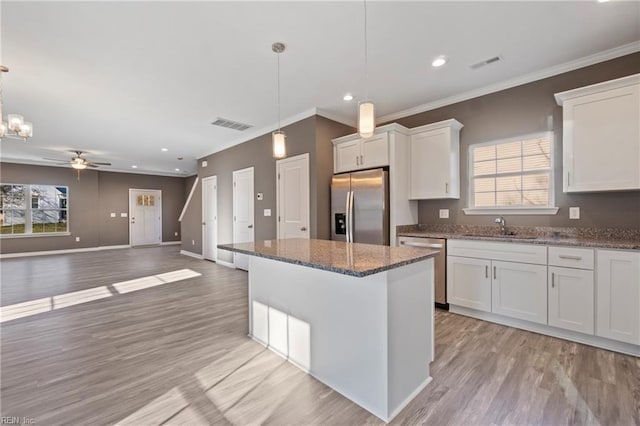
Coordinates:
(512, 174)
(33, 209)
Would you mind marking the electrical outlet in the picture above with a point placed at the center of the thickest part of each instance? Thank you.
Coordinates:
(175, 233)
(444, 213)
(123, 214)
(77, 239)
(574, 212)
(267, 212)
(204, 163)
(193, 242)
(112, 215)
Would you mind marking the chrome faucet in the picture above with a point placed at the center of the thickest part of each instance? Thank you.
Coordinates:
(503, 225)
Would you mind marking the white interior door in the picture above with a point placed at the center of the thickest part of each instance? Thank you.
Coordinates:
(210, 218)
(243, 218)
(145, 217)
(293, 197)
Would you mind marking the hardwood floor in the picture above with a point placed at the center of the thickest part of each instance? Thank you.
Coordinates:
(176, 353)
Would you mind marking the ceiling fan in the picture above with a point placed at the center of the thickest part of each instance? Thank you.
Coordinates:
(78, 162)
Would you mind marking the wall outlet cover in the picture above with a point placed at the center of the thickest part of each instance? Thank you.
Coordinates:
(124, 214)
(267, 212)
(193, 242)
(574, 212)
(444, 213)
(112, 215)
(77, 239)
(204, 163)
(175, 234)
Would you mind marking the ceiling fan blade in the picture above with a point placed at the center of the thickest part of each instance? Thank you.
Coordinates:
(56, 159)
(91, 165)
(100, 164)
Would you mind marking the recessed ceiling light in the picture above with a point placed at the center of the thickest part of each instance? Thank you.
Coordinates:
(177, 170)
(602, 1)
(134, 167)
(348, 97)
(439, 61)
(164, 149)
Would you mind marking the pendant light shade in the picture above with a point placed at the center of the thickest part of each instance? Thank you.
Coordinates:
(366, 109)
(279, 144)
(278, 138)
(366, 119)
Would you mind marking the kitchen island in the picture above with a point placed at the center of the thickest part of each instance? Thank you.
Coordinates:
(357, 317)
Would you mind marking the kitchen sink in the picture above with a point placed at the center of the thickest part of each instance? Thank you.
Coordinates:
(510, 236)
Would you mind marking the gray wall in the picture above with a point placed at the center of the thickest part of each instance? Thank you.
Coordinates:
(91, 200)
(312, 135)
(526, 109)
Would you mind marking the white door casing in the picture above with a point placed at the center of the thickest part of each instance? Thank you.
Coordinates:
(210, 218)
(145, 217)
(292, 197)
(243, 213)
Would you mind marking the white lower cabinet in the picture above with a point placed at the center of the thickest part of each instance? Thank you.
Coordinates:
(618, 295)
(571, 304)
(469, 282)
(519, 290)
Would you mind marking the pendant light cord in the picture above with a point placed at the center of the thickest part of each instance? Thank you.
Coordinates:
(366, 55)
(278, 91)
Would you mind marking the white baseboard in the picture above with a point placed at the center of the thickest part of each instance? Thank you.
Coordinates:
(227, 264)
(65, 251)
(408, 399)
(191, 254)
(586, 339)
(170, 243)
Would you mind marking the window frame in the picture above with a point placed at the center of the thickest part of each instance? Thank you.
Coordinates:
(549, 209)
(28, 202)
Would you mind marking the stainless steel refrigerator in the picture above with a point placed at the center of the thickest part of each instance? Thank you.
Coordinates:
(360, 207)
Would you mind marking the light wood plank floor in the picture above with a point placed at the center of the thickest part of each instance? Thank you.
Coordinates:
(177, 354)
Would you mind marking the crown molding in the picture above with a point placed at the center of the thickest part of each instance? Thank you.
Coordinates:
(586, 61)
(111, 170)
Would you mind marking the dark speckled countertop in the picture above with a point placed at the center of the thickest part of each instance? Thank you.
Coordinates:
(622, 239)
(358, 260)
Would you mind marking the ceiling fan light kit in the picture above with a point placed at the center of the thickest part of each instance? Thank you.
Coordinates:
(278, 138)
(14, 127)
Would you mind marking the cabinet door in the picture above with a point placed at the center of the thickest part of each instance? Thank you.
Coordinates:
(469, 282)
(571, 299)
(618, 295)
(519, 290)
(601, 147)
(431, 165)
(347, 156)
(375, 151)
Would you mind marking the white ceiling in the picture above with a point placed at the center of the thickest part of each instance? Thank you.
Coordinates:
(124, 79)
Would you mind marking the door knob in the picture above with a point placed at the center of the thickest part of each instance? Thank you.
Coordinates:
(304, 228)
(250, 226)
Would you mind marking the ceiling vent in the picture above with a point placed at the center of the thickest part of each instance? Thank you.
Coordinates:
(229, 124)
(485, 62)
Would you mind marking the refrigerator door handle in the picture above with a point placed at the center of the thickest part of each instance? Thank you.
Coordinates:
(351, 193)
(346, 216)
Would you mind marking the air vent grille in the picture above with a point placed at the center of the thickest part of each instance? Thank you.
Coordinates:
(230, 124)
(485, 62)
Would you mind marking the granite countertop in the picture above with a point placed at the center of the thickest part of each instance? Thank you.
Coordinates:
(355, 259)
(573, 237)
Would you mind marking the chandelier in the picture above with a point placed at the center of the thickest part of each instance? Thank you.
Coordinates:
(14, 127)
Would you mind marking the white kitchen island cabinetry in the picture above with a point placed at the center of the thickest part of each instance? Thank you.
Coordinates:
(357, 317)
(601, 136)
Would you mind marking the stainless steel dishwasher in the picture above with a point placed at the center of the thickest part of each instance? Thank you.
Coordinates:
(440, 264)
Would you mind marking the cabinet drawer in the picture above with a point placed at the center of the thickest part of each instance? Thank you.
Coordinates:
(571, 257)
(508, 252)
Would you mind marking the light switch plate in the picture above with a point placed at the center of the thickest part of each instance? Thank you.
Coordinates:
(204, 163)
(112, 215)
(123, 214)
(574, 212)
(444, 213)
(267, 212)
(77, 239)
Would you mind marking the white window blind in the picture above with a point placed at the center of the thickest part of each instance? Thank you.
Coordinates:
(512, 173)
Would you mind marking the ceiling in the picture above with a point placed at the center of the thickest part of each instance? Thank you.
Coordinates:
(122, 80)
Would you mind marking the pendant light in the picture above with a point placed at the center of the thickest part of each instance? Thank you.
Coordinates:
(278, 137)
(366, 109)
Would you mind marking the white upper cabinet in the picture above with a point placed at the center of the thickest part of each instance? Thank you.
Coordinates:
(435, 161)
(356, 153)
(601, 136)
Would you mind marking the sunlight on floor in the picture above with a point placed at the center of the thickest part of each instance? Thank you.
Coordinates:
(38, 306)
